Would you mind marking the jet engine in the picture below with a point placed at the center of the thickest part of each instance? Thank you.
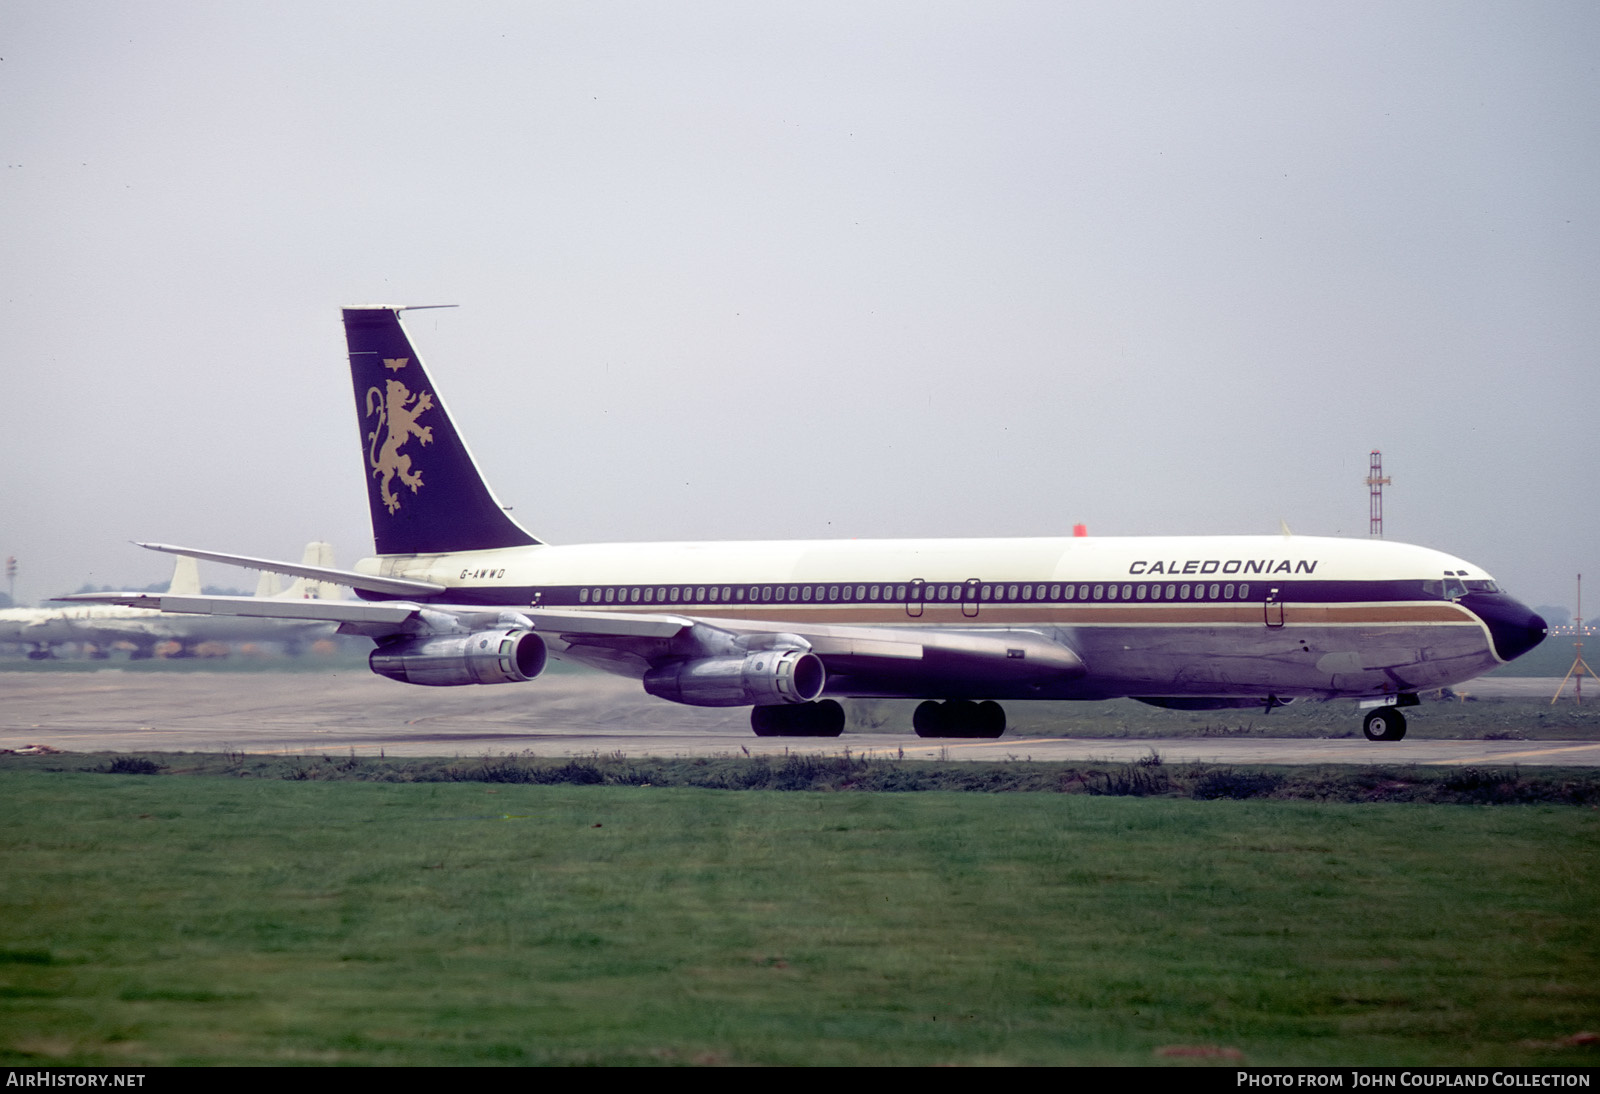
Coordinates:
(762, 678)
(508, 656)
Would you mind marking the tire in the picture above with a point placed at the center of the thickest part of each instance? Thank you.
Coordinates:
(991, 722)
(825, 718)
(1384, 724)
(960, 718)
(928, 720)
(767, 721)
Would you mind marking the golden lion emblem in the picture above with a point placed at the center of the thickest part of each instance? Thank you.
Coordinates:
(397, 410)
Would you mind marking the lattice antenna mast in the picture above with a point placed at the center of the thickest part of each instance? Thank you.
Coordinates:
(1579, 666)
(1376, 481)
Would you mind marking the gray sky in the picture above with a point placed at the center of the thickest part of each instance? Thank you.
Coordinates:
(736, 270)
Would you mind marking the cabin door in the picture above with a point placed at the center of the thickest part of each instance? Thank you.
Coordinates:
(914, 597)
(1274, 609)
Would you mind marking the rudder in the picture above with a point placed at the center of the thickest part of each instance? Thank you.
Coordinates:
(424, 489)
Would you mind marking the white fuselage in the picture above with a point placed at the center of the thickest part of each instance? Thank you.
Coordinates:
(1159, 616)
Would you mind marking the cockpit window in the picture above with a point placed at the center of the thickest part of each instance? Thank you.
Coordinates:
(1453, 587)
(1481, 586)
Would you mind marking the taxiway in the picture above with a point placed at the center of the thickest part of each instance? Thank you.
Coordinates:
(579, 715)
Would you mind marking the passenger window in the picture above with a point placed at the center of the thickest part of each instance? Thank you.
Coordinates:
(1183, 592)
(1227, 592)
(984, 593)
(1099, 590)
(610, 595)
(1141, 592)
(1111, 592)
(1055, 592)
(1214, 592)
(583, 596)
(1244, 592)
(1069, 591)
(1027, 592)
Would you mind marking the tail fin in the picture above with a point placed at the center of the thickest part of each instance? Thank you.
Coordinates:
(317, 554)
(423, 488)
(185, 577)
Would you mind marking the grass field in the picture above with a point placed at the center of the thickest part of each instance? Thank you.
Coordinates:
(249, 920)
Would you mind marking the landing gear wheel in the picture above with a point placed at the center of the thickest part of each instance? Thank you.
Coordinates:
(1384, 724)
(991, 720)
(959, 718)
(827, 718)
(767, 721)
(823, 719)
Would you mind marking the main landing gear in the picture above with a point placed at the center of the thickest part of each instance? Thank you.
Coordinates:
(820, 719)
(1384, 724)
(959, 718)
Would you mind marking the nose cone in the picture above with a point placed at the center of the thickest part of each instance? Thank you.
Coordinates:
(1514, 627)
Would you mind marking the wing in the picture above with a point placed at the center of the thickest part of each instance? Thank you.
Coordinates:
(394, 586)
(383, 619)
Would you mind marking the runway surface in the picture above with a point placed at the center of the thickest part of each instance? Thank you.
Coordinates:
(580, 715)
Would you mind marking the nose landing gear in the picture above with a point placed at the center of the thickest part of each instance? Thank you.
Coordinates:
(1384, 724)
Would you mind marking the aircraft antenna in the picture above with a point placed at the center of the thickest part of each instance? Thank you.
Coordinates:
(1579, 666)
(1376, 481)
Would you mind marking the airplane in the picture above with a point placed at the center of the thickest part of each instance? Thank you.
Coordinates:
(101, 625)
(459, 593)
